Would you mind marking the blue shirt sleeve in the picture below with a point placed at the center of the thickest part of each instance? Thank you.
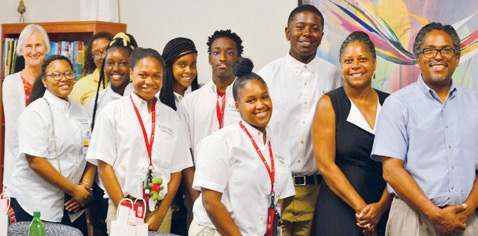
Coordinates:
(391, 139)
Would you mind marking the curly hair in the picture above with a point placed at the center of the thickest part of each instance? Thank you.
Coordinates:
(304, 8)
(417, 45)
(225, 34)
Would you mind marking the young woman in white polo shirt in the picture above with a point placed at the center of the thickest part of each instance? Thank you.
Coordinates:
(137, 138)
(243, 168)
(51, 161)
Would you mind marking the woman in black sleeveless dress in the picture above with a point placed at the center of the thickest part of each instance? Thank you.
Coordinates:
(354, 199)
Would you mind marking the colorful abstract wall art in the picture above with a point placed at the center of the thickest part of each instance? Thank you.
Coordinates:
(392, 25)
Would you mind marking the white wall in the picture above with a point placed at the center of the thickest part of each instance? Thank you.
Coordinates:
(260, 23)
(40, 10)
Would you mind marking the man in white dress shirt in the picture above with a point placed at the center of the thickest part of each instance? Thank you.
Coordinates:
(212, 106)
(296, 82)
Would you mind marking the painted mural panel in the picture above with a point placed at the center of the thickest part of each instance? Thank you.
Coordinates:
(392, 26)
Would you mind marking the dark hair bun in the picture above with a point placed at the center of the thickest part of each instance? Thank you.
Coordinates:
(242, 66)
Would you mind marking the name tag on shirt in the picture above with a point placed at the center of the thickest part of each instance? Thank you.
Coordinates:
(280, 159)
(165, 129)
(231, 107)
(85, 134)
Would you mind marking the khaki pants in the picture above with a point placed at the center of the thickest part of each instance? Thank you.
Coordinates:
(404, 220)
(298, 210)
(111, 216)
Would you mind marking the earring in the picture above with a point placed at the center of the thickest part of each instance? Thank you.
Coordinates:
(373, 75)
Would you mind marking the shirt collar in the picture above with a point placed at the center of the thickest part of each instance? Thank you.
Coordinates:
(256, 134)
(356, 117)
(139, 102)
(298, 66)
(59, 103)
(431, 93)
(178, 97)
(213, 88)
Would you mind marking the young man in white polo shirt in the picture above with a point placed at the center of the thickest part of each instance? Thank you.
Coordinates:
(296, 82)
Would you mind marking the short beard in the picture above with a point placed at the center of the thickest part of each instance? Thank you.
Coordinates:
(438, 79)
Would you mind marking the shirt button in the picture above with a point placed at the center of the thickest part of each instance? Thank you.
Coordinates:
(452, 167)
(449, 146)
(305, 102)
(302, 141)
(298, 161)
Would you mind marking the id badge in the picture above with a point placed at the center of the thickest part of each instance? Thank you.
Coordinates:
(85, 140)
(272, 221)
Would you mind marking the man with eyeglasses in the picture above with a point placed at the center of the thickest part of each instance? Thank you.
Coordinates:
(427, 140)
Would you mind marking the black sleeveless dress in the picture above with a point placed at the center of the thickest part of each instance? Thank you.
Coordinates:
(333, 217)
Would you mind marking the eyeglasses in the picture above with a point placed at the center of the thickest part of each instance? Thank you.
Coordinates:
(99, 54)
(58, 76)
(430, 53)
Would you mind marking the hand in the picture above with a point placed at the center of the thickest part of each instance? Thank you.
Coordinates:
(153, 222)
(369, 216)
(463, 216)
(72, 206)
(447, 220)
(82, 194)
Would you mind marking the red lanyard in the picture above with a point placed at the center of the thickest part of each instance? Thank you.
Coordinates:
(220, 110)
(270, 171)
(149, 144)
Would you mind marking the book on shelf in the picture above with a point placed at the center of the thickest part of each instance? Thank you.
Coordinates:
(75, 51)
(8, 65)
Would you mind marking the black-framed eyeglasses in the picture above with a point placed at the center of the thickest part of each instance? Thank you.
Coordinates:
(98, 54)
(58, 76)
(430, 53)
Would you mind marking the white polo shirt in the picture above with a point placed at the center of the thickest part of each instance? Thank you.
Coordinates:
(118, 141)
(295, 88)
(228, 163)
(13, 94)
(198, 111)
(35, 134)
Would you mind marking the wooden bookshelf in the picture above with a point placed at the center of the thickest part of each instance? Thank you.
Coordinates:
(57, 31)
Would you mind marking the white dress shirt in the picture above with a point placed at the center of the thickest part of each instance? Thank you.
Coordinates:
(295, 88)
(13, 94)
(118, 141)
(104, 98)
(198, 111)
(178, 97)
(229, 164)
(35, 133)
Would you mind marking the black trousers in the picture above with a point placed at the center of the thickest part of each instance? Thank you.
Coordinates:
(22, 215)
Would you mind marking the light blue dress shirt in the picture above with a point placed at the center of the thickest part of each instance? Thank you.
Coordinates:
(437, 141)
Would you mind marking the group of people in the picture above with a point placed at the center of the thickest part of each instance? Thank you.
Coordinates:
(299, 148)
